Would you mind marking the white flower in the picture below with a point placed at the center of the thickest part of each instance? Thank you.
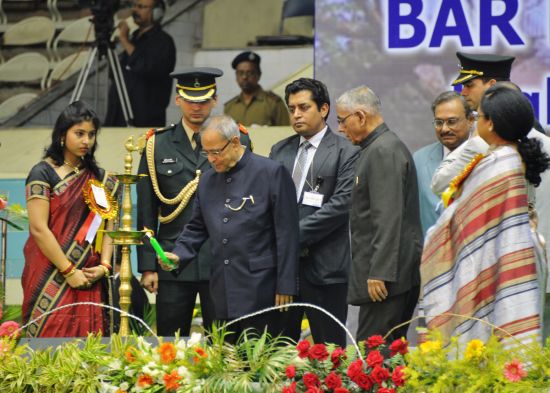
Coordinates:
(194, 339)
(107, 388)
(144, 345)
(129, 373)
(115, 365)
(124, 386)
(184, 372)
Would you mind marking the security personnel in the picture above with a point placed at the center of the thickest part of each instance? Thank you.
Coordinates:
(478, 72)
(172, 162)
(247, 206)
(254, 106)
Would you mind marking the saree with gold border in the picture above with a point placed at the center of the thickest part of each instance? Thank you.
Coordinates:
(44, 288)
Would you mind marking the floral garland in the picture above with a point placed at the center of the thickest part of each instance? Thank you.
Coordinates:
(448, 196)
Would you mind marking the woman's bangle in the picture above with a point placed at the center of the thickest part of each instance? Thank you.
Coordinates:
(72, 272)
(105, 270)
(68, 269)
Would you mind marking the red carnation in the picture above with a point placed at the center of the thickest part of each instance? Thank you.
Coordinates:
(375, 358)
(314, 390)
(303, 348)
(355, 368)
(398, 377)
(318, 352)
(336, 356)
(399, 346)
(333, 381)
(363, 381)
(341, 390)
(311, 380)
(290, 389)
(386, 390)
(375, 341)
(380, 374)
(290, 371)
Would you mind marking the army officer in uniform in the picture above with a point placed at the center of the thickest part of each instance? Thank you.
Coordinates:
(171, 161)
(247, 207)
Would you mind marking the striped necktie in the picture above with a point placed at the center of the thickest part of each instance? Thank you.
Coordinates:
(300, 167)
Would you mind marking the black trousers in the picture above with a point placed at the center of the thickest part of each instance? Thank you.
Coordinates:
(381, 317)
(175, 304)
(324, 329)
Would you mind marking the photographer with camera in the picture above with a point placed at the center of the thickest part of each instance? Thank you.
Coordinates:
(148, 59)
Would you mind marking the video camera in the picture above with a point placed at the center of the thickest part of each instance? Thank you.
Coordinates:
(103, 12)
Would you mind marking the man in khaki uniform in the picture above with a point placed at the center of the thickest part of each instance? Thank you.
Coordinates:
(254, 106)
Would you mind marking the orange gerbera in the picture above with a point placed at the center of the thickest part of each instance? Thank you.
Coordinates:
(167, 352)
(130, 354)
(202, 355)
(144, 380)
(171, 381)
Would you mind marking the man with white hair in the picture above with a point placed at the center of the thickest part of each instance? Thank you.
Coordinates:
(386, 236)
(247, 207)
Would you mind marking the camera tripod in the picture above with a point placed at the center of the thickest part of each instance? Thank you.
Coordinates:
(101, 48)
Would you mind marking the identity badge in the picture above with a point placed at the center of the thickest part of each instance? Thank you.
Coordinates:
(312, 199)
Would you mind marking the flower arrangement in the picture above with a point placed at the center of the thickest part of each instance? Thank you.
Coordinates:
(198, 365)
(135, 365)
(477, 367)
(318, 368)
(258, 363)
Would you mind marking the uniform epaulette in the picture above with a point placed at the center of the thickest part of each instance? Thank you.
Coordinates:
(158, 130)
(231, 100)
(273, 96)
(243, 129)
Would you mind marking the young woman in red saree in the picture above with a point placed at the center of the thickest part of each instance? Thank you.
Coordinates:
(62, 265)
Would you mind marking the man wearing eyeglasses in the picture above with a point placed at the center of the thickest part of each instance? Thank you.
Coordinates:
(148, 59)
(247, 207)
(453, 121)
(386, 235)
(171, 161)
(254, 106)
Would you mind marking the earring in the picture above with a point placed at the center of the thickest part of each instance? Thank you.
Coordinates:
(62, 143)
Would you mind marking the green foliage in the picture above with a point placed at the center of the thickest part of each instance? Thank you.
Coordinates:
(12, 313)
(71, 367)
(477, 368)
(254, 359)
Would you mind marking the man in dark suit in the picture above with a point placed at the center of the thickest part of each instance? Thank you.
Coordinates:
(246, 206)
(386, 236)
(324, 180)
(171, 161)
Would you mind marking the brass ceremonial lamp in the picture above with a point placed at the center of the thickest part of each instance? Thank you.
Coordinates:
(125, 236)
